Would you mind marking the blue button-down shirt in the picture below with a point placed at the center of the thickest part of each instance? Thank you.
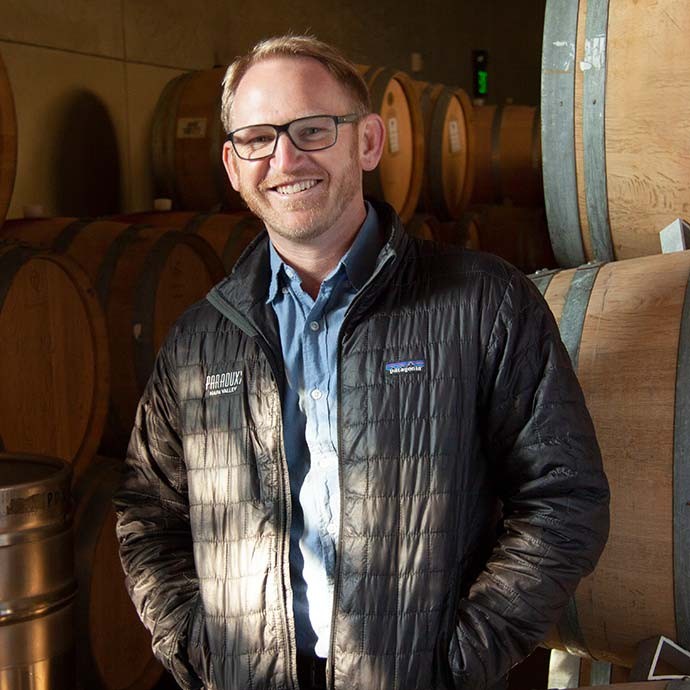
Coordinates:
(309, 331)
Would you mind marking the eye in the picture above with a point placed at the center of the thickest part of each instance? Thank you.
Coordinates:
(259, 139)
(254, 138)
(311, 132)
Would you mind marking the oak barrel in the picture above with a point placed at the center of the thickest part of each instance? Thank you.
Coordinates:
(615, 125)
(626, 326)
(464, 231)
(114, 651)
(518, 234)
(398, 177)
(37, 585)
(507, 156)
(228, 233)
(55, 358)
(424, 226)
(187, 141)
(8, 142)
(449, 149)
(145, 277)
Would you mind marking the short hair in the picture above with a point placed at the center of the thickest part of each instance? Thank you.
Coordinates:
(291, 45)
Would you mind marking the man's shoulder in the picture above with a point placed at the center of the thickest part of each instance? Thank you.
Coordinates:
(454, 263)
(468, 279)
(200, 317)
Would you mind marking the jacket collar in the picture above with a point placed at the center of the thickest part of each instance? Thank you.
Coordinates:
(245, 290)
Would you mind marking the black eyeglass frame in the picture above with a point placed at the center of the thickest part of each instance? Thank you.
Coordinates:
(279, 129)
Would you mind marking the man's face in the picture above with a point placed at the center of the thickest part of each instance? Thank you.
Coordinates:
(300, 195)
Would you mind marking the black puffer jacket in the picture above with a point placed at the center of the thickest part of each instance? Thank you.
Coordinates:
(426, 595)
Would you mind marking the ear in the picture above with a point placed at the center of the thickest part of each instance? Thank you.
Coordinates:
(230, 163)
(372, 134)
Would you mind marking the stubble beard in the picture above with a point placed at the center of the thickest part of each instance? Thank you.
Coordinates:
(316, 218)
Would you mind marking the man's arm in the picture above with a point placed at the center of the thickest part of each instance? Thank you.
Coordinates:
(153, 527)
(539, 437)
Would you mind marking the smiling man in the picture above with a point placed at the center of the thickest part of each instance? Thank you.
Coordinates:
(364, 461)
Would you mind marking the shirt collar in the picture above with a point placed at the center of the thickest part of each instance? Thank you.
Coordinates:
(359, 261)
(360, 258)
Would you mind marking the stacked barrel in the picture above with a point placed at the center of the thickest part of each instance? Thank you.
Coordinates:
(616, 164)
(84, 306)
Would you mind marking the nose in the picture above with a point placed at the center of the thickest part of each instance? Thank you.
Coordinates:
(286, 153)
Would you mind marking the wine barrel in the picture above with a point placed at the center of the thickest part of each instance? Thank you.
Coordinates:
(114, 651)
(228, 233)
(187, 141)
(398, 177)
(518, 234)
(463, 231)
(507, 156)
(423, 226)
(37, 585)
(55, 363)
(8, 142)
(449, 144)
(615, 113)
(144, 278)
(626, 326)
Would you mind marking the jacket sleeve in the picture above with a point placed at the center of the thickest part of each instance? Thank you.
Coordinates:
(153, 527)
(539, 438)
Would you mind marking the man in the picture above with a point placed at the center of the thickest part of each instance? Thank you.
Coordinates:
(313, 484)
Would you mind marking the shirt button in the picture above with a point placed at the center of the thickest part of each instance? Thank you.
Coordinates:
(331, 529)
(316, 394)
(286, 290)
(314, 325)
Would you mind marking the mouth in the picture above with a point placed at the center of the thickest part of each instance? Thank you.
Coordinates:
(294, 187)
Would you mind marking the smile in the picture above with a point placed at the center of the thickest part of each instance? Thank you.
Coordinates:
(295, 187)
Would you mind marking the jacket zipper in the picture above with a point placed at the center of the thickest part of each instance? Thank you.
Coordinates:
(330, 670)
(249, 329)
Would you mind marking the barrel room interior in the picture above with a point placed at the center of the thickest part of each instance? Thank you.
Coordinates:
(553, 133)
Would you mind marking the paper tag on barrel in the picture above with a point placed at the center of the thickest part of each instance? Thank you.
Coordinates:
(191, 127)
(393, 138)
(454, 136)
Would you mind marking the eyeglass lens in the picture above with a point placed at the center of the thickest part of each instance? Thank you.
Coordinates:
(307, 134)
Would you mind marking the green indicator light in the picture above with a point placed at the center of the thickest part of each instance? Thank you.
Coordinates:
(482, 79)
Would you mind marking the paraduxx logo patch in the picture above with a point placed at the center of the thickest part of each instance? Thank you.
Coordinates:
(224, 383)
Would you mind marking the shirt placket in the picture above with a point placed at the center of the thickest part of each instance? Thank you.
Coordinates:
(323, 473)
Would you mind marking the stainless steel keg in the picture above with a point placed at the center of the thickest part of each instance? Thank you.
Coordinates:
(37, 585)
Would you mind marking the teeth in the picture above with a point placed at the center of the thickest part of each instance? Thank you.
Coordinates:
(296, 187)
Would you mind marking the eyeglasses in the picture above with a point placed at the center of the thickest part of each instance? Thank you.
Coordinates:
(312, 133)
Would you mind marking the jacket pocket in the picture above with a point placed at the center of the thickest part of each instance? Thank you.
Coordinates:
(198, 649)
(442, 673)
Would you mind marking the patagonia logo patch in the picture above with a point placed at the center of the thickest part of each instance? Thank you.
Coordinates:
(223, 383)
(407, 366)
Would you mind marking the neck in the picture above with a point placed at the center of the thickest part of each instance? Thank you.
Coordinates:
(314, 260)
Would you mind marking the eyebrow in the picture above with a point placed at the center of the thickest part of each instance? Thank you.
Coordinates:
(278, 124)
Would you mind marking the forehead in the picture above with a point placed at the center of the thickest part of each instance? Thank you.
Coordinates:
(280, 89)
